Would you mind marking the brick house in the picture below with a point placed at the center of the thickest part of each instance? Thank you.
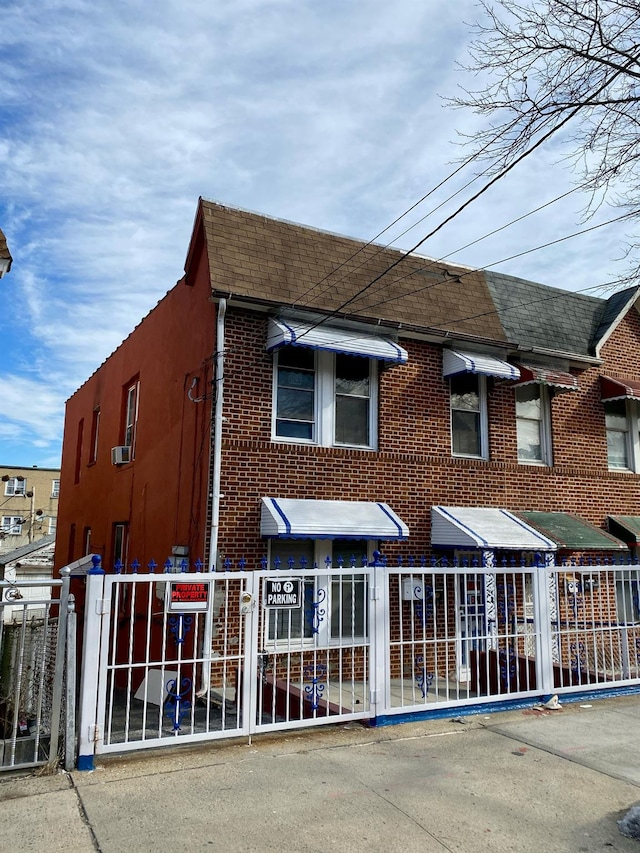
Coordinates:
(398, 399)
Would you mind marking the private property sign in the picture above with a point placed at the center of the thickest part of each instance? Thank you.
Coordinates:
(188, 597)
(285, 592)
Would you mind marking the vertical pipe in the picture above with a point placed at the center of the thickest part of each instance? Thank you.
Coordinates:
(61, 641)
(89, 678)
(217, 436)
(207, 634)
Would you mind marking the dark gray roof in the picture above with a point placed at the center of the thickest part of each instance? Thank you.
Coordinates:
(614, 306)
(535, 315)
(24, 550)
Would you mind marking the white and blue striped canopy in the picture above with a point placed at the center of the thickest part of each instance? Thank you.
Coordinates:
(287, 518)
(454, 361)
(286, 331)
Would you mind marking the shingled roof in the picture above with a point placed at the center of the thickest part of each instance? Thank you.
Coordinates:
(274, 262)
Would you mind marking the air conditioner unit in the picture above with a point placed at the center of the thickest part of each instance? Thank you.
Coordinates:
(120, 455)
(412, 589)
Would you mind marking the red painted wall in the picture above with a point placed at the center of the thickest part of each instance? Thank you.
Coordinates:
(162, 494)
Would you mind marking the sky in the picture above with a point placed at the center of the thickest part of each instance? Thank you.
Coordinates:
(115, 117)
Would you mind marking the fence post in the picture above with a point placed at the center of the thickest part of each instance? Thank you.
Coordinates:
(61, 641)
(89, 675)
(542, 576)
(378, 627)
(70, 703)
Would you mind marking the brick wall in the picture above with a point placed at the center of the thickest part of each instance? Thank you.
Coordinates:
(412, 469)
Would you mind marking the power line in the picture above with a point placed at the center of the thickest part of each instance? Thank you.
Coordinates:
(501, 174)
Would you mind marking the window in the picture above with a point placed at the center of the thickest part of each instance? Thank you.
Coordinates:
(12, 525)
(627, 598)
(15, 486)
(53, 522)
(469, 415)
(95, 426)
(621, 423)
(533, 424)
(55, 488)
(120, 543)
(343, 617)
(324, 398)
(87, 540)
(79, 440)
(131, 416)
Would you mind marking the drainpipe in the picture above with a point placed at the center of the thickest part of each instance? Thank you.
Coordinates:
(217, 437)
(207, 637)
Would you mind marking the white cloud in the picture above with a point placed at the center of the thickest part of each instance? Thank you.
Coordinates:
(117, 116)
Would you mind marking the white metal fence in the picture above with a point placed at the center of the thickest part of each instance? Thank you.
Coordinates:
(186, 657)
(36, 700)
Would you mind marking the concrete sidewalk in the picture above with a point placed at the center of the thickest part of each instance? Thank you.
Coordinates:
(520, 781)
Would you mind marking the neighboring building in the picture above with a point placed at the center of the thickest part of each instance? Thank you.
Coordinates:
(28, 505)
(439, 409)
(5, 255)
(32, 562)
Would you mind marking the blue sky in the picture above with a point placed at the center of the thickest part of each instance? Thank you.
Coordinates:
(115, 117)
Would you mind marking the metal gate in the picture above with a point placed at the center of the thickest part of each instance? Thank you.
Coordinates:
(198, 656)
(34, 621)
(189, 657)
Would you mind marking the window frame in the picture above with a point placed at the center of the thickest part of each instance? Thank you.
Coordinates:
(325, 395)
(130, 410)
(55, 489)
(20, 493)
(545, 425)
(483, 418)
(631, 435)
(325, 633)
(8, 529)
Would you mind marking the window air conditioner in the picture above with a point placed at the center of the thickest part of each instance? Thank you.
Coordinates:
(120, 455)
(412, 589)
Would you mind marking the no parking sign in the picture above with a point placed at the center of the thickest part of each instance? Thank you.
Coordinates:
(284, 592)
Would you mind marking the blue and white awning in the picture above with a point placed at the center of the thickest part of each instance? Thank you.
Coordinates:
(283, 332)
(484, 528)
(454, 361)
(287, 518)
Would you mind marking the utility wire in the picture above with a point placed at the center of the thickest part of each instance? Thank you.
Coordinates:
(501, 174)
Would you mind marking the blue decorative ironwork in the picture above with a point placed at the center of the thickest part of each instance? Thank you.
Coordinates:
(424, 679)
(423, 607)
(175, 705)
(168, 565)
(577, 657)
(152, 566)
(180, 625)
(118, 567)
(313, 613)
(134, 567)
(507, 661)
(315, 682)
(198, 565)
(506, 603)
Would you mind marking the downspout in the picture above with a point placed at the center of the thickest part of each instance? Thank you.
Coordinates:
(216, 474)
(217, 437)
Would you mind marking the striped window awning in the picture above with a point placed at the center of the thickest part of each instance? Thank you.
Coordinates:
(619, 389)
(485, 528)
(288, 518)
(288, 332)
(557, 379)
(454, 362)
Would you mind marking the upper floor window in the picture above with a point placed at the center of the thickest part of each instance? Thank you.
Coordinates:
(324, 397)
(12, 525)
(55, 488)
(95, 427)
(469, 426)
(621, 422)
(131, 415)
(15, 486)
(533, 424)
